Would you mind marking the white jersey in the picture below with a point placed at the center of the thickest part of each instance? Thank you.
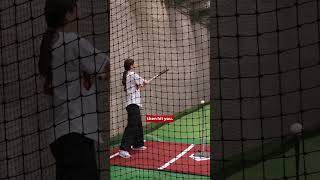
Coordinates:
(133, 92)
(74, 108)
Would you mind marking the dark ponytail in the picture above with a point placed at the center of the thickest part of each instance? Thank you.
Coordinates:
(127, 66)
(46, 58)
(55, 14)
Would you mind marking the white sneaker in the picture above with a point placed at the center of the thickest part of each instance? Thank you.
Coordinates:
(142, 148)
(124, 154)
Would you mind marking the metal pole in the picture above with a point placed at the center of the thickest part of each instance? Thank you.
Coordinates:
(202, 153)
(296, 129)
(202, 127)
(297, 154)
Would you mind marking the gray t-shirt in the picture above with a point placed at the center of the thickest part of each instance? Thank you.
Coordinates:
(74, 107)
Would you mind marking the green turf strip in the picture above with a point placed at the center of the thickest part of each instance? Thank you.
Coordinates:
(279, 168)
(187, 129)
(123, 173)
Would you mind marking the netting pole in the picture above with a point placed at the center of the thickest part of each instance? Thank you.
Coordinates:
(297, 154)
(202, 153)
(296, 128)
(202, 126)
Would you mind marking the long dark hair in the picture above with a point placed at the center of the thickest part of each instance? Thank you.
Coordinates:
(127, 66)
(55, 15)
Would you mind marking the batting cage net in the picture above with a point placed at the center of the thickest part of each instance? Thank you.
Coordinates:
(147, 116)
(265, 93)
(159, 35)
(26, 111)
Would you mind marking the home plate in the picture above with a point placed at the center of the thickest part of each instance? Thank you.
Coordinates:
(198, 158)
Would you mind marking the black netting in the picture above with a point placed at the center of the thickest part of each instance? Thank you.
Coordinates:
(265, 67)
(260, 59)
(24, 114)
(157, 35)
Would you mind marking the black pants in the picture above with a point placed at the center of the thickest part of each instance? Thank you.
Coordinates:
(75, 158)
(133, 134)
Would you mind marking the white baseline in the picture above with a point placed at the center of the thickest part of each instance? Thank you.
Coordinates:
(114, 155)
(177, 157)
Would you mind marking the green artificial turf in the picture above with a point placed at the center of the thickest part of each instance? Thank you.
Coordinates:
(187, 129)
(284, 167)
(123, 173)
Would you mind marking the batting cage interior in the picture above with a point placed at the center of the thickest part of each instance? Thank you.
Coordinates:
(161, 35)
(239, 99)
